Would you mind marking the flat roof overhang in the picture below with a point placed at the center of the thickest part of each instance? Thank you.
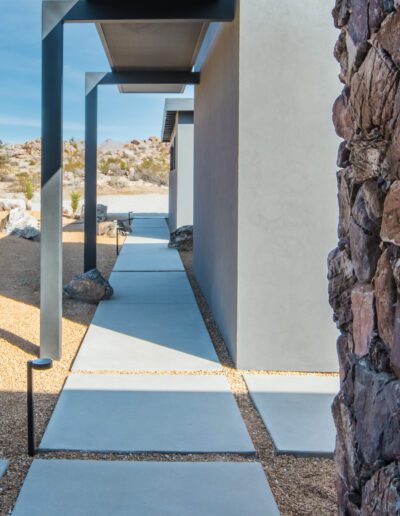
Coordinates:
(171, 108)
(163, 46)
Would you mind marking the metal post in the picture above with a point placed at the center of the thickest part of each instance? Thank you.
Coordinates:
(51, 194)
(40, 365)
(31, 421)
(117, 240)
(90, 260)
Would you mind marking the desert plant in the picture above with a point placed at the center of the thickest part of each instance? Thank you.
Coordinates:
(28, 189)
(75, 198)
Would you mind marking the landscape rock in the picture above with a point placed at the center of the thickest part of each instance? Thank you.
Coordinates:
(341, 279)
(108, 228)
(341, 116)
(90, 287)
(368, 155)
(22, 224)
(101, 212)
(10, 204)
(182, 238)
(385, 298)
(390, 230)
(344, 201)
(363, 309)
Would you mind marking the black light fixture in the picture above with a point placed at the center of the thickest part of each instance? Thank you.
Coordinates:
(40, 364)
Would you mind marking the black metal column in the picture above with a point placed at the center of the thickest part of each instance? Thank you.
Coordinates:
(90, 179)
(51, 194)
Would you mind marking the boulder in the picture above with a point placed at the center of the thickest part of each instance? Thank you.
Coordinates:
(341, 116)
(368, 155)
(22, 224)
(90, 287)
(363, 309)
(101, 212)
(108, 228)
(10, 204)
(182, 238)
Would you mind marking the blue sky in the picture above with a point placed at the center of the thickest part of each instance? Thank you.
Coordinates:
(121, 117)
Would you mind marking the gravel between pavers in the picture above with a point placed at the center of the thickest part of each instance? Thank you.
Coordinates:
(301, 486)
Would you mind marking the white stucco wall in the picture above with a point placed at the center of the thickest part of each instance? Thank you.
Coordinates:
(287, 185)
(265, 185)
(184, 169)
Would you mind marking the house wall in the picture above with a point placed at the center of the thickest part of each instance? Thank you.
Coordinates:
(184, 171)
(287, 213)
(215, 181)
(172, 188)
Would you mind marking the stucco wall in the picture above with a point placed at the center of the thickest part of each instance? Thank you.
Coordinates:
(215, 181)
(287, 209)
(184, 155)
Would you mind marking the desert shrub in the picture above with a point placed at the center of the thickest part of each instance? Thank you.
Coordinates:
(28, 189)
(20, 180)
(75, 198)
(153, 170)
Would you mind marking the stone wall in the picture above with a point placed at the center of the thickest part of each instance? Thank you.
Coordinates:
(364, 270)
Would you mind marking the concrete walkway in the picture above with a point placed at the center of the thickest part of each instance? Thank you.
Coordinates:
(153, 332)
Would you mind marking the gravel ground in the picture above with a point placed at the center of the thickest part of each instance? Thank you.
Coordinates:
(301, 486)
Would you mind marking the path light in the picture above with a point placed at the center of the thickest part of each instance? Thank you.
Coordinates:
(40, 364)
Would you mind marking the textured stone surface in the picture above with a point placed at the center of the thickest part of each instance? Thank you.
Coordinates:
(362, 306)
(89, 287)
(182, 238)
(367, 117)
(341, 280)
(386, 297)
(390, 231)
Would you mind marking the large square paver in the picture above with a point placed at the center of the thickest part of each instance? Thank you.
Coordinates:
(147, 413)
(149, 222)
(3, 467)
(116, 488)
(151, 287)
(148, 236)
(296, 410)
(147, 337)
(149, 257)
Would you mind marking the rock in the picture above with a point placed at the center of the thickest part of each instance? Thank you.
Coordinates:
(368, 155)
(22, 224)
(363, 310)
(101, 212)
(364, 231)
(343, 155)
(10, 204)
(365, 252)
(389, 36)
(390, 230)
(371, 102)
(395, 348)
(344, 346)
(381, 494)
(90, 287)
(344, 201)
(182, 238)
(341, 279)
(358, 21)
(341, 116)
(385, 298)
(108, 228)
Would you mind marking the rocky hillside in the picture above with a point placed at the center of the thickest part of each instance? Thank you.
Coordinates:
(121, 166)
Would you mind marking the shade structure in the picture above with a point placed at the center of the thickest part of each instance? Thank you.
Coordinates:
(163, 46)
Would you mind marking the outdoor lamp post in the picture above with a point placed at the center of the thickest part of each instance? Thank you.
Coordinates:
(40, 364)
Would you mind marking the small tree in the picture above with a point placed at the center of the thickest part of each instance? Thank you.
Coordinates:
(75, 198)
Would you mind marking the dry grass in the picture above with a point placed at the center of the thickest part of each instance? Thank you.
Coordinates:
(301, 486)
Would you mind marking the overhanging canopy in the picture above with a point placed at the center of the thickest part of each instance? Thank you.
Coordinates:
(152, 45)
(171, 108)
